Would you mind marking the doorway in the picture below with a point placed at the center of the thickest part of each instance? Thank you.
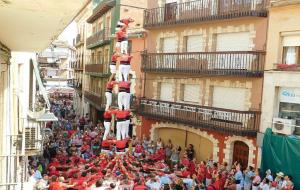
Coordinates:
(240, 153)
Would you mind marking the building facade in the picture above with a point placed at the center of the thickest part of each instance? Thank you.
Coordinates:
(19, 137)
(281, 97)
(82, 57)
(55, 64)
(203, 70)
(103, 21)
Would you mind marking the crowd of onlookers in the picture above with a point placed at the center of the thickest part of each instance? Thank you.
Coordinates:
(73, 160)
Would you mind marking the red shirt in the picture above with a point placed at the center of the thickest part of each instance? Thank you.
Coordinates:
(121, 114)
(114, 58)
(140, 187)
(124, 84)
(185, 173)
(126, 58)
(120, 35)
(110, 85)
(121, 144)
(84, 148)
(126, 21)
(107, 115)
(55, 186)
(54, 172)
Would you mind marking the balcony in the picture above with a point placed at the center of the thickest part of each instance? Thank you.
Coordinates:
(100, 38)
(98, 70)
(102, 8)
(202, 11)
(245, 123)
(241, 63)
(94, 99)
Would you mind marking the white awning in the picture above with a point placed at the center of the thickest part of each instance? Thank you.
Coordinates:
(31, 25)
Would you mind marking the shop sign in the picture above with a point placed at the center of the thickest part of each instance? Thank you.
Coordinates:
(290, 95)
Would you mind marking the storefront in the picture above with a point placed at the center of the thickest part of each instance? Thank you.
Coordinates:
(289, 104)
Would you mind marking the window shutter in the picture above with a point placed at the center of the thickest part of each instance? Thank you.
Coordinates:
(191, 93)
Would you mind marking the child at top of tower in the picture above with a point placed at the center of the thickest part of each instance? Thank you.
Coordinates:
(122, 40)
(124, 22)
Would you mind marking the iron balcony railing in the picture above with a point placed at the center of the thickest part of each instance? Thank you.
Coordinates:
(203, 10)
(99, 38)
(96, 100)
(238, 63)
(245, 123)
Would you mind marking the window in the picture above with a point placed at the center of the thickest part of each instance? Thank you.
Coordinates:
(190, 93)
(291, 50)
(291, 55)
(229, 98)
(289, 104)
(193, 43)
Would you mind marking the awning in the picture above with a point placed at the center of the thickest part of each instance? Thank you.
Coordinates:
(47, 117)
(31, 25)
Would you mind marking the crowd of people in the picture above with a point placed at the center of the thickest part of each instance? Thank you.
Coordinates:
(81, 155)
(76, 158)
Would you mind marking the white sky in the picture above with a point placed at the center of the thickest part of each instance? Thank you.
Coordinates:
(69, 33)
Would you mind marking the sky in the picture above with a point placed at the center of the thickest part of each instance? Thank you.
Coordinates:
(69, 33)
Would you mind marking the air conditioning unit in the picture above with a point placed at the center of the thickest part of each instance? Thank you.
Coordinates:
(31, 137)
(283, 126)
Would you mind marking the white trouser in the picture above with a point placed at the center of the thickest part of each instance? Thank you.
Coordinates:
(247, 186)
(113, 68)
(127, 128)
(108, 96)
(121, 130)
(124, 71)
(121, 100)
(124, 47)
(107, 128)
(127, 101)
(118, 45)
(239, 186)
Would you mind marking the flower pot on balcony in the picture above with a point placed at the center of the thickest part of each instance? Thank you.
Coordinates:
(291, 67)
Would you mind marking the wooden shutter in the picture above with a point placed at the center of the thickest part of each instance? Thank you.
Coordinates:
(191, 93)
(229, 98)
(237, 41)
(166, 90)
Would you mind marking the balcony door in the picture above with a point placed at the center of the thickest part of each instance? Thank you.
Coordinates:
(170, 10)
(230, 42)
(166, 94)
(167, 61)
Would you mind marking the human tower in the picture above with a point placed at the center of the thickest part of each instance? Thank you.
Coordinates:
(121, 79)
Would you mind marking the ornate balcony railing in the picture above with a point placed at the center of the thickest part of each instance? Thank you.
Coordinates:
(99, 38)
(203, 10)
(227, 121)
(95, 99)
(239, 63)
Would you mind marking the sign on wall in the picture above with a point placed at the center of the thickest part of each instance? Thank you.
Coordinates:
(290, 95)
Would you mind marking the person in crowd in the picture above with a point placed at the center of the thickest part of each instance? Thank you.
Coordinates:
(249, 175)
(85, 160)
(239, 178)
